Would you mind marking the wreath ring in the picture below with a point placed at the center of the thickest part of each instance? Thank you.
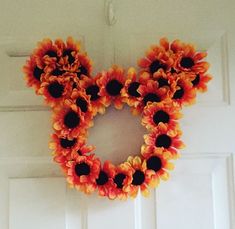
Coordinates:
(169, 77)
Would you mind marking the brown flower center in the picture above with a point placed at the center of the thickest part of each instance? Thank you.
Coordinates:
(55, 89)
(114, 87)
(71, 119)
(82, 169)
(163, 140)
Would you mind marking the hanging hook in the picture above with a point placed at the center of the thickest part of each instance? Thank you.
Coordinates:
(110, 13)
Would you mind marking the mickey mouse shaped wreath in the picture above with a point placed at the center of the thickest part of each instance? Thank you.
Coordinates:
(170, 75)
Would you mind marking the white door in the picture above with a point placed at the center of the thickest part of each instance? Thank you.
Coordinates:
(200, 192)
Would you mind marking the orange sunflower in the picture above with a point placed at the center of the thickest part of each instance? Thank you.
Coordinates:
(79, 99)
(70, 44)
(151, 93)
(72, 59)
(164, 80)
(46, 53)
(92, 89)
(184, 94)
(64, 145)
(187, 59)
(129, 91)
(105, 178)
(62, 159)
(165, 113)
(83, 172)
(121, 182)
(33, 73)
(169, 140)
(69, 121)
(85, 66)
(157, 163)
(199, 81)
(55, 90)
(111, 84)
(140, 178)
(157, 57)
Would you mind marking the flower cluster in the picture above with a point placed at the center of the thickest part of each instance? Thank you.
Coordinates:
(169, 76)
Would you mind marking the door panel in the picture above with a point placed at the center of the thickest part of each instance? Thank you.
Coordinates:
(198, 193)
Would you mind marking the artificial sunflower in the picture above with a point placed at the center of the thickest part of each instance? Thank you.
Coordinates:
(150, 93)
(169, 140)
(69, 121)
(199, 81)
(187, 59)
(46, 54)
(72, 59)
(121, 182)
(185, 93)
(129, 91)
(111, 84)
(55, 90)
(105, 179)
(79, 150)
(79, 99)
(84, 67)
(83, 172)
(157, 164)
(140, 179)
(166, 113)
(33, 73)
(157, 57)
(64, 145)
(70, 44)
(92, 90)
(163, 79)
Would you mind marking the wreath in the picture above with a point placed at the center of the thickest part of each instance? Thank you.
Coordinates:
(167, 79)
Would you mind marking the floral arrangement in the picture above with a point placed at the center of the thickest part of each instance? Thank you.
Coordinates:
(168, 78)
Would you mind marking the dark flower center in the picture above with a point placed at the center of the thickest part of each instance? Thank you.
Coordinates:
(74, 85)
(187, 62)
(82, 169)
(79, 152)
(114, 87)
(162, 82)
(132, 89)
(196, 81)
(68, 53)
(37, 72)
(102, 179)
(55, 89)
(118, 179)
(82, 71)
(178, 94)
(154, 163)
(173, 71)
(66, 143)
(155, 66)
(138, 178)
(93, 91)
(161, 116)
(151, 97)
(57, 72)
(51, 53)
(71, 119)
(163, 140)
(82, 104)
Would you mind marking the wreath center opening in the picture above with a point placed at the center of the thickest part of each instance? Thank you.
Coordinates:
(116, 134)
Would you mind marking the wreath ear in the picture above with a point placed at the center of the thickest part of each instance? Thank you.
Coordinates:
(55, 68)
